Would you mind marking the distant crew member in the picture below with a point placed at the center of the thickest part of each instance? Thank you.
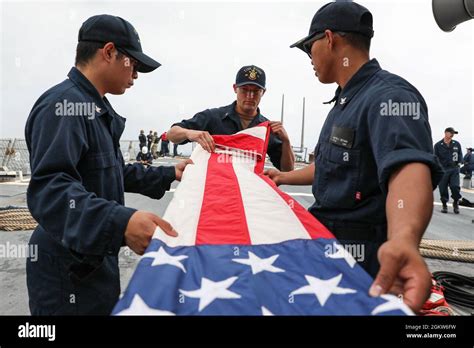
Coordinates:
(154, 147)
(144, 157)
(165, 150)
(149, 138)
(175, 149)
(468, 166)
(449, 153)
(142, 139)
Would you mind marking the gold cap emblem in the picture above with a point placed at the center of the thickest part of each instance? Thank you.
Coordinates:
(252, 74)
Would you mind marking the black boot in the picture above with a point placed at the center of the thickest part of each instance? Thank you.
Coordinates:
(456, 207)
(445, 208)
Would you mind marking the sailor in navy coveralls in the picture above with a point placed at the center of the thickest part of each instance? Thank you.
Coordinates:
(374, 170)
(76, 192)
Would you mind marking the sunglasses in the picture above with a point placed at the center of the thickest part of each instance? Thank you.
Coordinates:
(133, 62)
(307, 45)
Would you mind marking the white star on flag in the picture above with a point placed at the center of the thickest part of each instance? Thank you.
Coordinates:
(161, 257)
(342, 253)
(211, 290)
(266, 312)
(259, 265)
(322, 288)
(139, 307)
(393, 303)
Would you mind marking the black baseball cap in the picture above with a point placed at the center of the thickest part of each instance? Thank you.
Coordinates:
(250, 75)
(451, 130)
(348, 17)
(106, 28)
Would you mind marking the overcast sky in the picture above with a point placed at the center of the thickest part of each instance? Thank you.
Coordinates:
(202, 45)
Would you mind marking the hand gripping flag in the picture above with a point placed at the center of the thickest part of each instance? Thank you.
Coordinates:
(245, 247)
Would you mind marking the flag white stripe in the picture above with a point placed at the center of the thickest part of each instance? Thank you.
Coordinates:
(258, 132)
(184, 210)
(262, 206)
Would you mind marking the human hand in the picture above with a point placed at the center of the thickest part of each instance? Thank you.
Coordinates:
(179, 168)
(275, 175)
(203, 138)
(402, 272)
(278, 129)
(140, 230)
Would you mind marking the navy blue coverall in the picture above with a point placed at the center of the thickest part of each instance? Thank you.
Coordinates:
(450, 155)
(76, 194)
(379, 123)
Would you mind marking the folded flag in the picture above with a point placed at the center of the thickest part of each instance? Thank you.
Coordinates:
(246, 248)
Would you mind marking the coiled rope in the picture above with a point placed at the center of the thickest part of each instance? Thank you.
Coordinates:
(453, 250)
(16, 219)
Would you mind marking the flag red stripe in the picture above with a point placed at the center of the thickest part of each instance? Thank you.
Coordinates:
(222, 219)
(261, 162)
(241, 141)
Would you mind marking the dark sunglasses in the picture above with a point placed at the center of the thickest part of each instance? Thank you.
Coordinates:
(133, 61)
(307, 45)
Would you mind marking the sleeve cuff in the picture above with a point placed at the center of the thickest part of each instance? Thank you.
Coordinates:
(118, 221)
(169, 175)
(396, 158)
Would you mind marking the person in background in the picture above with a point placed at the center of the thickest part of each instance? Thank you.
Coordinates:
(175, 149)
(142, 139)
(154, 146)
(149, 138)
(449, 153)
(165, 150)
(144, 157)
(468, 162)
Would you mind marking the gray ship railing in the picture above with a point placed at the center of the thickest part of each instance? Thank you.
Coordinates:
(15, 157)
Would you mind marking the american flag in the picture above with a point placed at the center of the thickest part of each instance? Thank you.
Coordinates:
(246, 248)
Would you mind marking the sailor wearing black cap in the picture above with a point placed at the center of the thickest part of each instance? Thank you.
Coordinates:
(374, 170)
(243, 113)
(449, 152)
(79, 177)
(102, 29)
